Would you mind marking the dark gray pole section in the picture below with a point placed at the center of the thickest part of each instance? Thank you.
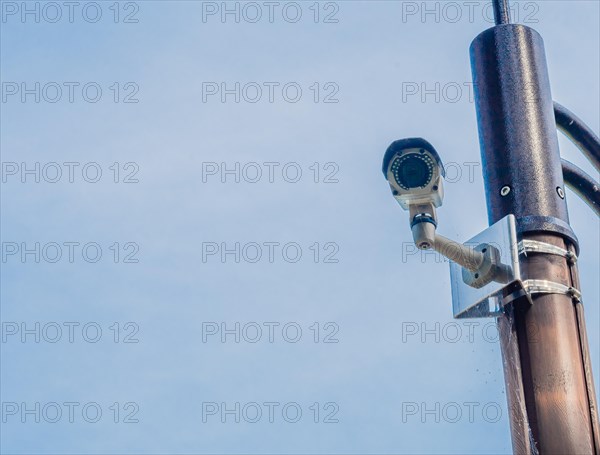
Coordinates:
(546, 366)
(517, 130)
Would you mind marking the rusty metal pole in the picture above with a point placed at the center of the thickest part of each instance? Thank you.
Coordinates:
(545, 350)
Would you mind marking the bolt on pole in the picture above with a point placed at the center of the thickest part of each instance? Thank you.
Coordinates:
(549, 384)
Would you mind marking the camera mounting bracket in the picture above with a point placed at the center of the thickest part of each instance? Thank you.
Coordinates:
(477, 296)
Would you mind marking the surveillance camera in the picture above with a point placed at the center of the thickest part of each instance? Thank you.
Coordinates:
(414, 171)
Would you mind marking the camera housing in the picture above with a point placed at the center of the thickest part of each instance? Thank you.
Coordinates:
(414, 171)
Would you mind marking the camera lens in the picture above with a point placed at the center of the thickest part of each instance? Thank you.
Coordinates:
(413, 170)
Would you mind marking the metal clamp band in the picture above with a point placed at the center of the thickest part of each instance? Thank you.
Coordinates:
(543, 287)
(535, 246)
(549, 287)
(537, 224)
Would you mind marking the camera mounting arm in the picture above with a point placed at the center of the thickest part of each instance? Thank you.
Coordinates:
(426, 238)
(481, 264)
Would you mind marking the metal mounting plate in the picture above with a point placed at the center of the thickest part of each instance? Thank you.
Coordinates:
(487, 301)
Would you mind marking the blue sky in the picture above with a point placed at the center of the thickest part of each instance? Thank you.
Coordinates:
(369, 300)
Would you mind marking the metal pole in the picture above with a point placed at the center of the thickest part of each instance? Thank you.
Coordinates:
(582, 185)
(579, 133)
(546, 360)
(501, 12)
